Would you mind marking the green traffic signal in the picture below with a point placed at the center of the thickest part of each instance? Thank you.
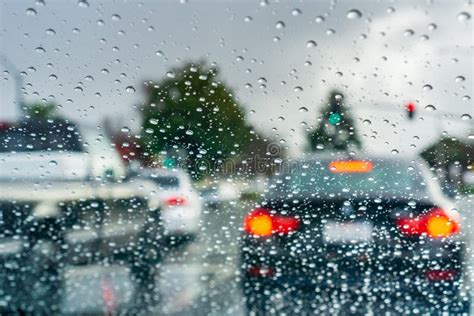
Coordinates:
(335, 118)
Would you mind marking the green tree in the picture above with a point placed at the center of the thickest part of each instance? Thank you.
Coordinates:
(335, 129)
(192, 110)
(41, 110)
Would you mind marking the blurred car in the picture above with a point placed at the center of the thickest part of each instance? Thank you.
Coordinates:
(342, 234)
(181, 204)
(56, 149)
(46, 226)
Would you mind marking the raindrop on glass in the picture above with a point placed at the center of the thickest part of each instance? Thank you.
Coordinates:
(83, 4)
(353, 14)
(466, 117)
(280, 24)
(427, 87)
(303, 109)
(430, 108)
(408, 33)
(130, 89)
(311, 44)
(464, 17)
(31, 12)
(296, 12)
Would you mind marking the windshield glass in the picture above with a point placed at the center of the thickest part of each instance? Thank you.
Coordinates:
(236, 157)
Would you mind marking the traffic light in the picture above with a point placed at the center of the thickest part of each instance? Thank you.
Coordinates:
(410, 108)
(335, 118)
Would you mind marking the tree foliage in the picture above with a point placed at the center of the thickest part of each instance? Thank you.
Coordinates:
(193, 110)
(335, 129)
(41, 110)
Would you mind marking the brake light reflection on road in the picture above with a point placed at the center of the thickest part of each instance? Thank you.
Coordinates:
(260, 222)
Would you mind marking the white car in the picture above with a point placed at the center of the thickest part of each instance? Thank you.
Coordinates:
(56, 150)
(181, 205)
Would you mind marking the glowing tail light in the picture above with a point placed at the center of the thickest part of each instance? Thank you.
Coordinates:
(435, 224)
(260, 222)
(176, 201)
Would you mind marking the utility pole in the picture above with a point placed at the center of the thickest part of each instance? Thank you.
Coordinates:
(15, 73)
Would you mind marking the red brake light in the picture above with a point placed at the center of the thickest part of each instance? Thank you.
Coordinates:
(176, 201)
(260, 222)
(350, 166)
(435, 224)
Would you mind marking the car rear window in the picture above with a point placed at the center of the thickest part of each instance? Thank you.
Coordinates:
(166, 182)
(323, 177)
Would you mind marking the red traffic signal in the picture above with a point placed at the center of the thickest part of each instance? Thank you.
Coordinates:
(410, 108)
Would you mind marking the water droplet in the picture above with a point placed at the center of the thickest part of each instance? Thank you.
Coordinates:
(330, 32)
(170, 74)
(390, 10)
(432, 27)
(339, 74)
(311, 44)
(189, 132)
(395, 152)
(248, 19)
(367, 122)
(40, 3)
(149, 131)
(424, 37)
(354, 14)
(466, 117)
(53, 77)
(298, 89)
(239, 58)
(83, 4)
(319, 19)
(427, 87)
(130, 89)
(40, 50)
(408, 33)
(50, 32)
(125, 129)
(159, 53)
(153, 121)
(89, 78)
(105, 71)
(31, 12)
(296, 12)
(78, 89)
(280, 25)
(466, 98)
(303, 109)
(116, 17)
(53, 163)
(430, 108)
(100, 22)
(464, 17)
(459, 79)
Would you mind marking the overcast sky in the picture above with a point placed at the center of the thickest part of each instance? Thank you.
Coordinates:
(84, 55)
